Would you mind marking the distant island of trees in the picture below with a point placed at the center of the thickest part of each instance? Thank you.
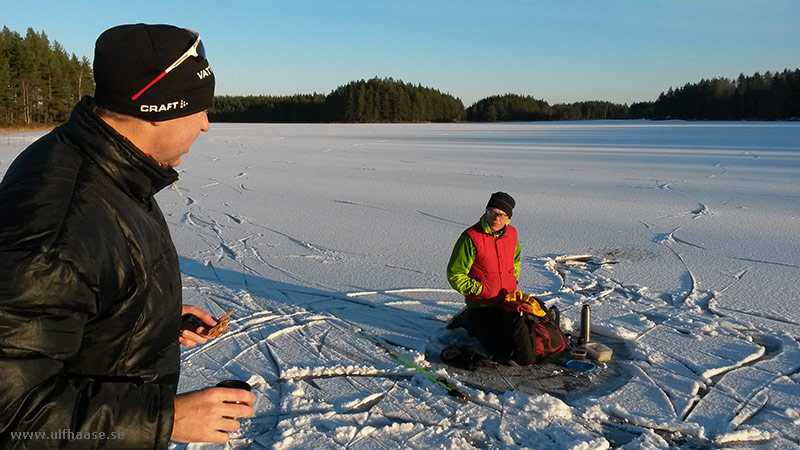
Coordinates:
(40, 83)
(361, 101)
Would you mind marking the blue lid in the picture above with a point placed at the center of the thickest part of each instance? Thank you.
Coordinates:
(583, 366)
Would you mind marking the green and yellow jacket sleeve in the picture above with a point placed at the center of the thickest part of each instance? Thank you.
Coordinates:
(460, 263)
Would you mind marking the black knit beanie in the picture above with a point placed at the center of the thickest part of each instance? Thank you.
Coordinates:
(503, 202)
(128, 57)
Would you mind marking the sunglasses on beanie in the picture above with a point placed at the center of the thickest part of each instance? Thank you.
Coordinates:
(196, 50)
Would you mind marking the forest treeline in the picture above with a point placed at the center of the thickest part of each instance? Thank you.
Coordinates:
(513, 107)
(767, 97)
(763, 97)
(374, 100)
(40, 82)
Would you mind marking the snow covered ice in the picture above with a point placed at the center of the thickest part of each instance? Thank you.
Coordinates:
(682, 237)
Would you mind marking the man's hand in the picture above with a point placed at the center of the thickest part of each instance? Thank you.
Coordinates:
(190, 338)
(210, 414)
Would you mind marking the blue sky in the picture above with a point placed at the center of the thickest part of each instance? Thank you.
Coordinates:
(559, 51)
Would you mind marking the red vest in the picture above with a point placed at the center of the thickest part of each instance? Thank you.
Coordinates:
(494, 262)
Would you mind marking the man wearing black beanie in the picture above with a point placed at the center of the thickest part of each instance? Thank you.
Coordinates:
(484, 267)
(90, 298)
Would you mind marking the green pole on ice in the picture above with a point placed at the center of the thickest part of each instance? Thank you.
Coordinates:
(441, 381)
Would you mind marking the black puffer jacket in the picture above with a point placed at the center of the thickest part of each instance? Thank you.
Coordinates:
(90, 293)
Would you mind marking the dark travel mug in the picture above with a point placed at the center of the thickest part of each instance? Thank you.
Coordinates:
(235, 384)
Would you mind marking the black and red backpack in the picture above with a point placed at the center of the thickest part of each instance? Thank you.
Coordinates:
(546, 336)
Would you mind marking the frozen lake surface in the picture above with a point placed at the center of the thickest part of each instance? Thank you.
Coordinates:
(682, 237)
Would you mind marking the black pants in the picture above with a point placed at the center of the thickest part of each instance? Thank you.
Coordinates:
(504, 334)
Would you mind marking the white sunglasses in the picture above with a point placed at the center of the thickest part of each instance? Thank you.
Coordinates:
(196, 50)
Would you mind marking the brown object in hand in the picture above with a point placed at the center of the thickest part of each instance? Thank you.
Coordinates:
(221, 326)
